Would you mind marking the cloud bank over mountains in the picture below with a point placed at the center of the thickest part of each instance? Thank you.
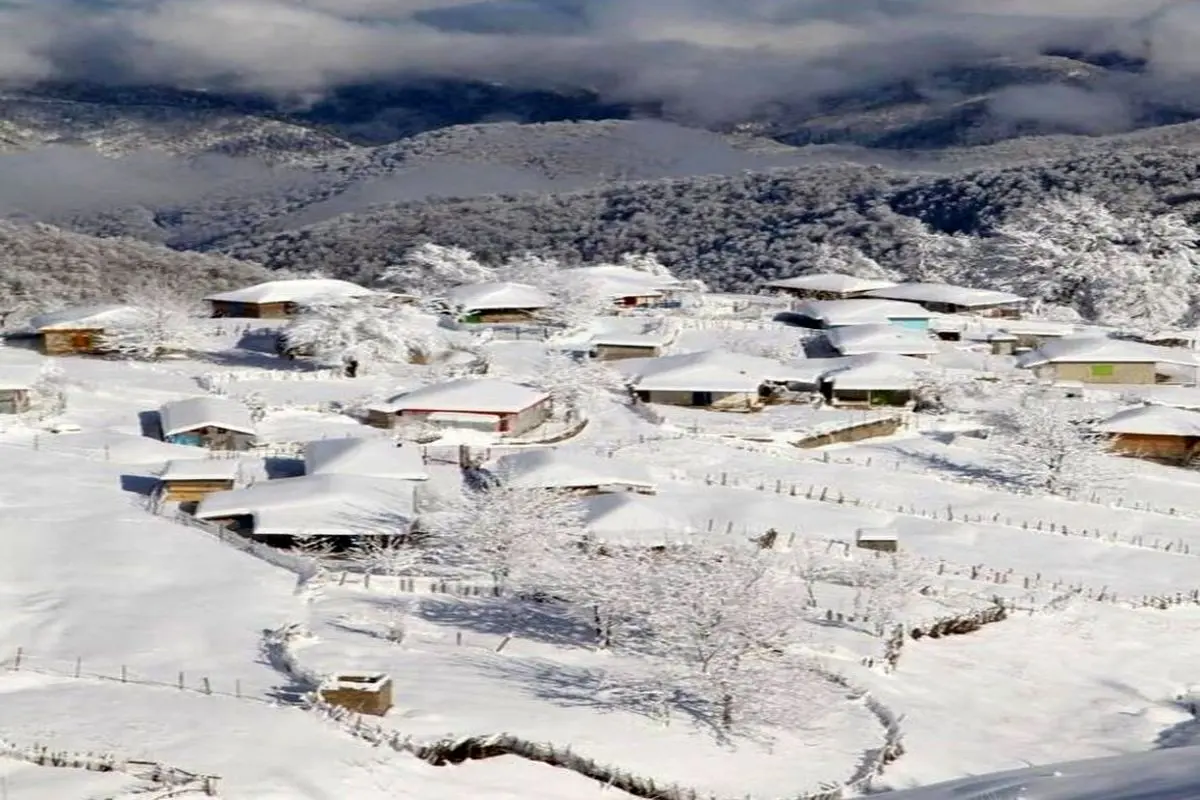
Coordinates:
(709, 59)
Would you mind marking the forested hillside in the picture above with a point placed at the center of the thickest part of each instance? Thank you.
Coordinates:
(733, 231)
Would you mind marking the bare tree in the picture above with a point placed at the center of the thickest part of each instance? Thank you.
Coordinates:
(1047, 447)
(159, 321)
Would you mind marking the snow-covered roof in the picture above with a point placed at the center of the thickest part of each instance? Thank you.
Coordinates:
(854, 340)
(859, 312)
(299, 290)
(1090, 349)
(627, 276)
(705, 371)
(946, 293)
(318, 505)
(562, 468)
(876, 535)
(179, 416)
(83, 318)
(1177, 396)
(494, 296)
(372, 458)
(471, 395)
(836, 282)
(1192, 336)
(882, 371)
(1153, 421)
(1035, 327)
(636, 519)
(19, 376)
(618, 332)
(200, 469)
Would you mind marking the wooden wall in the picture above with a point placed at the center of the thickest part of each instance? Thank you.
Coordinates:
(1123, 373)
(613, 352)
(191, 491)
(80, 341)
(362, 701)
(1170, 449)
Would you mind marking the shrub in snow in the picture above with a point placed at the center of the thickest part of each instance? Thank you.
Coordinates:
(367, 332)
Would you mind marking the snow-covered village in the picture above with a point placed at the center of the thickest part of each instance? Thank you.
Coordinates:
(535, 530)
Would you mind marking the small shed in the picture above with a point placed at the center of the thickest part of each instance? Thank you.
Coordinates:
(17, 382)
(212, 422)
(498, 302)
(715, 379)
(78, 331)
(369, 458)
(190, 480)
(882, 540)
(1156, 433)
(281, 299)
(855, 340)
(488, 405)
(360, 692)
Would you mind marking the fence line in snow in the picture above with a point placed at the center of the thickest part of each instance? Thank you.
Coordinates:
(163, 780)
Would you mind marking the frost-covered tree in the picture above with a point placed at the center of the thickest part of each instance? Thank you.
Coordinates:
(506, 532)
(368, 332)
(927, 255)
(1046, 447)
(726, 623)
(160, 321)
(1137, 271)
(847, 259)
(431, 269)
(385, 555)
(575, 385)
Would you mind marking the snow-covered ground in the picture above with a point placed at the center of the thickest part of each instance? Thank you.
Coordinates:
(125, 632)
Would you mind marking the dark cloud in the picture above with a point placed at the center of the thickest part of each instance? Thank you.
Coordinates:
(715, 58)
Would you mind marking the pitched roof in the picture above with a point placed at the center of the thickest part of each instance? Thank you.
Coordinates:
(371, 458)
(179, 416)
(705, 371)
(856, 340)
(859, 311)
(946, 293)
(480, 395)
(1092, 348)
(200, 469)
(869, 371)
(562, 468)
(83, 317)
(636, 519)
(318, 505)
(494, 296)
(1153, 421)
(836, 282)
(299, 290)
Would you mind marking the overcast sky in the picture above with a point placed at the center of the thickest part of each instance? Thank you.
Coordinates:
(705, 54)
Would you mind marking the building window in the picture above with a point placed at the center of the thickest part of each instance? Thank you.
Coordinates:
(1102, 370)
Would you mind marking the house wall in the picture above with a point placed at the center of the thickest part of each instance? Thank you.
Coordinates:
(910, 324)
(502, 315)
(719, 399)
(381, 419)
(1107, 372)
(222, 308)
(528, 419)
(14, 401)
(1172, 449)
(191, 491)
(213, 438)
(376, 703)
(83, 341)
(864, 398)
(612, 352)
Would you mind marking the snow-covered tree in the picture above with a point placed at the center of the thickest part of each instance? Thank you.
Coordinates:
(506, 531)
(160, 321)
(1136, 271)
(431, 269)
(385, 555)
(368, 332)
(1046, 447)
(848, 260)
(575, 385)
(927, 255)
(727, 625)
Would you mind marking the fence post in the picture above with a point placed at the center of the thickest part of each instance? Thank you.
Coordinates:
(17, 660)
(181, 681)
(124, 675)
(78, 665)
(237, 688)
(207, 686)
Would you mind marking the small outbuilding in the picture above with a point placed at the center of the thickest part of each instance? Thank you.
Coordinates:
(827, 286)
(487, 405)
(78, 331)
(882, 540)
(190, 480)
(947, 298)
(361, 692)
(499, 302)
(569, 470)
(827, 314)
(1102, 359)
(282, 299)
(1155, 433)
(212, 422)
(17, 382)
(715, 379)
(871, 380)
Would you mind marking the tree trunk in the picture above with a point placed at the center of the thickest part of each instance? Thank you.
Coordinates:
(727, 711)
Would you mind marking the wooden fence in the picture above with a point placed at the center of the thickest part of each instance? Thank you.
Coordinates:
(160, 780)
